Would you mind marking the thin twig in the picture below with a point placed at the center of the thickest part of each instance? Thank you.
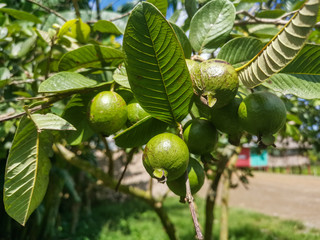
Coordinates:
(109, 155)
(129, 159)
(48, 10)
(189, 197)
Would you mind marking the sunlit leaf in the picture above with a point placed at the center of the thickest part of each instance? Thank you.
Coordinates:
(65, 82)
(106, 27)
(211, 25)
(65, 27)
(27, 172)
(184, 40)
(93, 56)
(51, 121)
(162, 5)
(155, 64)
(120, 77)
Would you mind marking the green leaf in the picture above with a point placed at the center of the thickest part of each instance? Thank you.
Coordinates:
(120, 77)
(162, 5)
(20, 49)
(63, 82)
(21, 15)
(211, 25)
(90, 56)
(76, 113)
(140, 133)
(27, 172)
(240, 50)
(191, 7)
(51, 121)
(156, 68)
(80, 31)
(305, 86)
(307, 61)
(270, 13)
(65, 27)
(280, 51)
(106, 27)
(184, 40)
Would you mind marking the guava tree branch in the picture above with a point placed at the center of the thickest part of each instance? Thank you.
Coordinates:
(256, 20)
(48, 10)
(189, 197)
(212, 193)
(157, 206)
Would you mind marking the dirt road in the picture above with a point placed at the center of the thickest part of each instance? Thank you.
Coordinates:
(293, 197)
(286, 196)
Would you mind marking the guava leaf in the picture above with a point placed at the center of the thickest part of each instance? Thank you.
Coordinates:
(184, 40)
(51, 121)
(275, 13)
(191, 7)
(162, 5)
(120, 77)
(27, 172)
(80, 31)
(75, 113)
(301, 77)
(140, 133)
(64, 82)
(65, 27)
(20, 49)
(240, 50)
(21, 15)
(105, 26)
(90, 56)
(280, 51)
(155, 64)
(211, 25)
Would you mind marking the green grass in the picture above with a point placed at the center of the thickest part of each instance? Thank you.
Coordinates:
(314, 170)
(134, 220)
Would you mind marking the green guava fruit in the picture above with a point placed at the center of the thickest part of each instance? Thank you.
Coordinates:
(107, 113)
(216, 80)
(166, 157)
(200, 136)
(135, 112)
(196, 177)
(262, 114)
(226, 120)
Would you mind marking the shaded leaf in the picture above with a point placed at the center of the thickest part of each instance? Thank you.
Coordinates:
(93, 56)
(50, 121)
(155, 64)
(211, 25)
(240, 50)
(282, 48)
(275, 13)
(140, 133)
(76, 113)
(65, 82)
(184, 40)
(21, 15)
(120, 77)
(191, 7)
(106, 27)
(27, 172)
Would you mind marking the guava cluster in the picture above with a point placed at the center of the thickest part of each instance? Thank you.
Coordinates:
(174, 159)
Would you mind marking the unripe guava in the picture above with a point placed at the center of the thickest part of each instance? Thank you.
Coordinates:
(200, 136)
(196, 177)
(107, 112)
(216, 80)
(262, 114)
(135, 112)
(166, 157)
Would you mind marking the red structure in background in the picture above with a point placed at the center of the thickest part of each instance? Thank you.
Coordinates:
(244, 158)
